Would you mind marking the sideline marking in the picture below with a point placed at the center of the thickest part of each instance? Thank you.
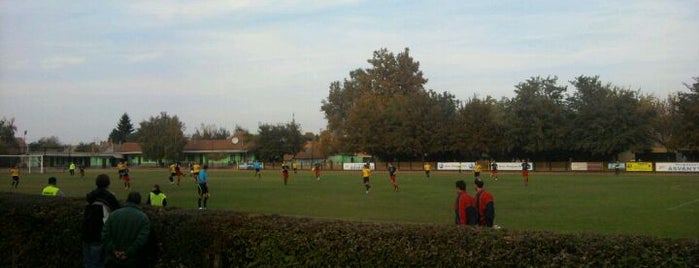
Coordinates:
(684, 204)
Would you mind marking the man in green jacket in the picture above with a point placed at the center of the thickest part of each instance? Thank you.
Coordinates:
(125, 234)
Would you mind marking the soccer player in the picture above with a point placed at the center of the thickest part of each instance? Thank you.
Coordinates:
(316, 171)
(525, 172)
(366, 173)
(494, 170)
(178, 172)
(14, 172)
(203, 187)
(484, 205)
(196, 168)
(464, 207)
(173, 173)
(295, 167)
(71, 168)
(427, 167)
(123, 170)
(257, 166)
(477, 170)
(392, 175)
(285, 172)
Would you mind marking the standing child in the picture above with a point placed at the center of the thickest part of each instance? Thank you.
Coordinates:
(366, 173)
(14, 172)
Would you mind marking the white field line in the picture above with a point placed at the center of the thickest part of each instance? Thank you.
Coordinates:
(684, 204)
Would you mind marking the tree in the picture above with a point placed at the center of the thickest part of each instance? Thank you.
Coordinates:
(274, 141)
(8, 142)
(86, 147)
(367, 112)
(688, 114)
(122, 133)
(478, 128)
(162, 137)
(609, 120)
(47, 144)
(210, 132)
(536, 119)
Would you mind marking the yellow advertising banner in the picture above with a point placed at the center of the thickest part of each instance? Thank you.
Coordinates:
(639, 166)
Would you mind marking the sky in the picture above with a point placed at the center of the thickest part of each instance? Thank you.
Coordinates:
(71, 69)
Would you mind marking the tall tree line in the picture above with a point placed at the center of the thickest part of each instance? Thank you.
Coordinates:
(385, 110)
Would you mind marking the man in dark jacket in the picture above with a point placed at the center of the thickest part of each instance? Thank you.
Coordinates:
(100, 203)
(125, 234)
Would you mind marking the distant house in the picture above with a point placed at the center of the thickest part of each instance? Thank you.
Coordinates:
(215, 153)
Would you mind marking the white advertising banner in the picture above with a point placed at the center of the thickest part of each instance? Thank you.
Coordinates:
(357, 166)
(677, 167)
(455, 165)
(612, 166)
(578, 166)
(513, 166)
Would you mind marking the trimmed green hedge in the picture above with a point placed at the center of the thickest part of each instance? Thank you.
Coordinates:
(46, 232)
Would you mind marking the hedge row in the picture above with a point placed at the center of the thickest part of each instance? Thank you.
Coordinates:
(45, 232)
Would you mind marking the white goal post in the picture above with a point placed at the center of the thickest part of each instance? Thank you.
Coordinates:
(26, 162)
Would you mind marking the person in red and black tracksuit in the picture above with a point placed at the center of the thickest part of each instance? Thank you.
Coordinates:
(464, 207)
(484, 205)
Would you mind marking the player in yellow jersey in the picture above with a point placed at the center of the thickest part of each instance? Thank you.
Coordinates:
(477, 170)
(14, 172)
(173, 172)
(427, 167)
(366, 173)
(196, 168)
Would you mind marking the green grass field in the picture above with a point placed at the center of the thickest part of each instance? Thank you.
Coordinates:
(663, 205)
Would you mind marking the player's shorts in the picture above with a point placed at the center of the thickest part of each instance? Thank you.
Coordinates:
(126, 178)
(15, 178)
(257, 170)
(202, 188)
(366, 180)
(494, 172)
(195, 174)
(393, 178)
(477, 174)
(525, 173)
(172, 174)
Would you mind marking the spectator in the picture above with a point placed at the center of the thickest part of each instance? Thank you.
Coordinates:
(100, 203)
(51, 189)
(156, 197)
(464, 206)
(125, 234)
(484, 204)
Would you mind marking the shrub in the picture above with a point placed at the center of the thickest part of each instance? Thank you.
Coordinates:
(45, 232)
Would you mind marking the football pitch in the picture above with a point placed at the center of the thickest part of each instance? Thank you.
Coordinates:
(661, 205)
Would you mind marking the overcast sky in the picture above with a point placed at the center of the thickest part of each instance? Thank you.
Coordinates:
(70, 69)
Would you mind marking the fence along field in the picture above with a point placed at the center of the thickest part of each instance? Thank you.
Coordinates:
(653, 204)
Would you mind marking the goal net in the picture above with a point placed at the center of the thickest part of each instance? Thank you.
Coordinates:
(27, 163)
